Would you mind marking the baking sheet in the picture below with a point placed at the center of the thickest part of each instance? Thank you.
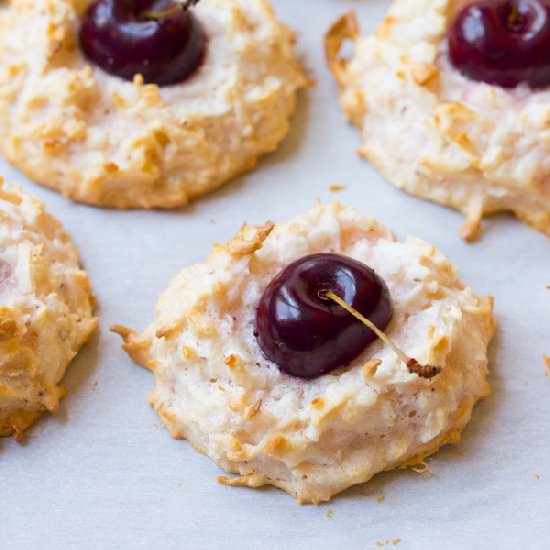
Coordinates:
(105, 474)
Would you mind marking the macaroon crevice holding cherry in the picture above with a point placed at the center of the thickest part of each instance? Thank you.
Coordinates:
(306, 334)
(503, 42)
(160, 39)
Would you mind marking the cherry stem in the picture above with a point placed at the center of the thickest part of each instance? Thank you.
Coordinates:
(158, 15)
(414, 367)
(514, 17)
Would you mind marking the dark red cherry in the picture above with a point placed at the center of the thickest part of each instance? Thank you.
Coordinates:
(503, 42)
(158, 39)
(308, 335)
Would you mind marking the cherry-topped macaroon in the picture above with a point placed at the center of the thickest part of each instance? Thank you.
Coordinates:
(305, 333)
(160, 39)
(503, 42)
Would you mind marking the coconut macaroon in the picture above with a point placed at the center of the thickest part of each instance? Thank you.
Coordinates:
(314, 437)
(435, 133)
(45, 310)
(103, 140)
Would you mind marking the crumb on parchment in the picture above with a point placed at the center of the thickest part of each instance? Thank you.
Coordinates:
(387, 542)
(337, 187)
(421, 468)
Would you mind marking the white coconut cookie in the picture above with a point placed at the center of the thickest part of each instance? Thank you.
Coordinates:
(45, 310)
(314, 437)
(110, 142)
(435, 133)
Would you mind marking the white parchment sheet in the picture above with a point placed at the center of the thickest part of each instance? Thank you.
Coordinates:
(105, 474)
